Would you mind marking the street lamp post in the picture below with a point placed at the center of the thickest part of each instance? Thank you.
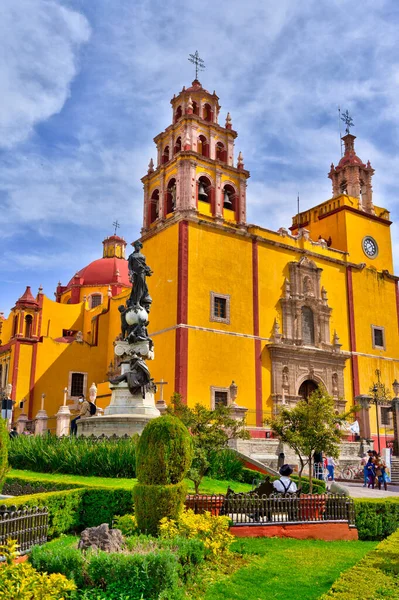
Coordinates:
(375, 393)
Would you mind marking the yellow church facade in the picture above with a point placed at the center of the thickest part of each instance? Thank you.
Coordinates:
(277, 312)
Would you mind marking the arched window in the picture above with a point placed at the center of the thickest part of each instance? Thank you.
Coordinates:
(178, 113)
(15, 326)
(195, 108)
(178, 145)
(95, 300)
(203, 146)
(229, 197)
(204, 189)
(307, 387)
(171, 196)
(28, 326)
(165, 155)
(343, 187)
(221, 152)
(154, 206)
(307, 325)
(207, 112)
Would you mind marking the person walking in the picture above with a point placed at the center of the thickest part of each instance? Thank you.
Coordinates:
(363, 463)
(84, 407)
(380, 471)
(331, 464)
(371, 470)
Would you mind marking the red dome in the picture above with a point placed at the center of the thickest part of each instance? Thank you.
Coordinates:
(103, 271)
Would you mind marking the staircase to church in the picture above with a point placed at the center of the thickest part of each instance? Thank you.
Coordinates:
(395, 470)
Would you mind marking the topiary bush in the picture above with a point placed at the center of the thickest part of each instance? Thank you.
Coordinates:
(164, 455)
(164, 452)
(4, 442)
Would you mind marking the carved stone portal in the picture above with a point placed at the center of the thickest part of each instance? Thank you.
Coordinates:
(303, 356)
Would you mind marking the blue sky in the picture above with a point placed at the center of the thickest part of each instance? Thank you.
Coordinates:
(85, 86)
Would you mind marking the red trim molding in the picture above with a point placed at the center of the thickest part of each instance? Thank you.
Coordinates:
(32, 380)
(15, 370)
(352, 333)
(181, 353)
(257, 343)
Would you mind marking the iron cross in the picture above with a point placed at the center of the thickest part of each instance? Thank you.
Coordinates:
(198, 62)
(347, 119)
(116, 225)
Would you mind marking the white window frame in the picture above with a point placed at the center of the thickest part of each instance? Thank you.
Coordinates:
(212, 317)
(219, 389)
(70, 384)
(373, 329)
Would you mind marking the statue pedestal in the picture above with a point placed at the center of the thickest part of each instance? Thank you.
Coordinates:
(125, 415)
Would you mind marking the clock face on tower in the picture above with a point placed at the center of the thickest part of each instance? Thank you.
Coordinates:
(370, 247)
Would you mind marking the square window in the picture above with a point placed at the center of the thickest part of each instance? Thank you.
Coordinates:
(221, 398)
(95, 300)
(385, 416)
(378, 337)
(77, 384)
(220, 308)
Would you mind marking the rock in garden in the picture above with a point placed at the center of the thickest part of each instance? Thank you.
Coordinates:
(101, 538)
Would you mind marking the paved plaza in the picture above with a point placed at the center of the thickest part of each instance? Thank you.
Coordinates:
(358, 491)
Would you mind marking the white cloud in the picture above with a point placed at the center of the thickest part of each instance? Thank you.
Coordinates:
(39, 40)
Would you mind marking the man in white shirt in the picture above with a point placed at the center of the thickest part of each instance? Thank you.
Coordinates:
(285, 485)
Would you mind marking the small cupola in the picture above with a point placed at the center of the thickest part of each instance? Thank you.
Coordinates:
(114, 246)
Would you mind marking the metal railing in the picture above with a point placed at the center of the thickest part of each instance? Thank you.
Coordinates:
(28, 526)
(253, 509)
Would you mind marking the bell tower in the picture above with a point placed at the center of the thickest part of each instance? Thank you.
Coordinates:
(194, 171)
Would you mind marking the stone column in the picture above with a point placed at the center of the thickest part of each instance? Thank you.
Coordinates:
(21, 423)
(41, 419)
(63, 418)
(395, 413)
(364, 415)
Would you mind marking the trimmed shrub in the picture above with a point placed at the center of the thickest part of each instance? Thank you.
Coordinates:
(164, 452)
(226, 465)
(60, 556)
(77, 456)
(190, 553)
(154, 502)
(127, 524)
(100, 505)
(375, 518)
(374, 577)
(20, 486)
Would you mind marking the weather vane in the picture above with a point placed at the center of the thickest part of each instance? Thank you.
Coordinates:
(347, 119)
(116, 225)
(198, 62)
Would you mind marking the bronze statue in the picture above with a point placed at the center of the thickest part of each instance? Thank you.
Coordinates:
(139, 271)
(138, 378)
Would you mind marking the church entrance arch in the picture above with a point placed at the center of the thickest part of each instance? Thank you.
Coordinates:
(306, 388)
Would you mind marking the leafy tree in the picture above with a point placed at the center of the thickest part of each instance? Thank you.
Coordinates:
(311, 426)
(211, 431)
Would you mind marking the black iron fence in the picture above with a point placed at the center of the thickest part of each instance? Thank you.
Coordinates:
(253, 509)
(28, 526)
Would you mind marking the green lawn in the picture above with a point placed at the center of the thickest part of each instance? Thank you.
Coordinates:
(208, 486)
(287, 569)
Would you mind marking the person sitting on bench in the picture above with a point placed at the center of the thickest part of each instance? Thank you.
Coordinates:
(285, 485)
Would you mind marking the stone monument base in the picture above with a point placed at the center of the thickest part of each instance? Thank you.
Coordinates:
(126, 414)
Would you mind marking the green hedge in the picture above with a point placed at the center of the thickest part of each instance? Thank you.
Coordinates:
(375, 577)
(75, 509)
(77, 456)
(4, 444)
(154, 502)
(150, 569)
(21, 486)
(375, 518)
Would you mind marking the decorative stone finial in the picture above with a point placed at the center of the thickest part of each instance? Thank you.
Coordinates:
(187, 141)
(324, 295)
(190, 105)
(151, 166)
(228, 121)
(93, 392)
(336, 342)
(40, 290)
(287, 288)
(276, 332)
(79, 337)
(240, 161)
(109, 291)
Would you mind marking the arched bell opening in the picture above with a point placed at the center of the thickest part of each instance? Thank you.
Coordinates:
(178, 113)
(229, 197)
(203, 146)
(221, 153)
(28, 326)
(307, 388)
(343, 188)
(204, 189)
(207, 113)
(195, 108)
(15, 326)
(165, 155)
(178, 145)
(171, 196)
(154, 206)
